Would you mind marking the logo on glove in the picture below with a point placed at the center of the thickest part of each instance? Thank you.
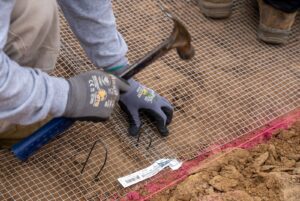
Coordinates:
(101, 95)
(103, 89)
(148, 94)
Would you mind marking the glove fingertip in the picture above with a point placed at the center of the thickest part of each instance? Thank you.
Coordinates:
(133, 118)
(169, 113)
(163, 131)
(133, 130)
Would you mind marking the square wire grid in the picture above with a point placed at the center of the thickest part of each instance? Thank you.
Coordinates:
(234, 85)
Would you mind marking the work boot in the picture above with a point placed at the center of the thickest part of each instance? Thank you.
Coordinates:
(216, 8)
(274, 25)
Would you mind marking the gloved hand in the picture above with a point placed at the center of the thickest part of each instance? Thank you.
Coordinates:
(141, 99)
(92, 95)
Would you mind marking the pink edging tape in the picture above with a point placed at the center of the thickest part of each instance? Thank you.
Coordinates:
(164, 181)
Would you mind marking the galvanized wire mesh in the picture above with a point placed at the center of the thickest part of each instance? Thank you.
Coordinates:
(234, 85)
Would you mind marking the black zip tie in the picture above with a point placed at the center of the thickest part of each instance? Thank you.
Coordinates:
(150, 143)
(138, 139)
(89, 155)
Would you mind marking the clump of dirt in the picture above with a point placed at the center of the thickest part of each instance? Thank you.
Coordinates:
(269, 171)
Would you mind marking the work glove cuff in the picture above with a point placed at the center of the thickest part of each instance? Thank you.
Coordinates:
(72, 98)
(61, 88)
(117, 70)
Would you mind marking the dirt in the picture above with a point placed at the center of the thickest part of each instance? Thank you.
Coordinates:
(232, 86)
(269, 171)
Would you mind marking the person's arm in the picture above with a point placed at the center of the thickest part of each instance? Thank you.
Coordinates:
(26, 95)
(94, 24)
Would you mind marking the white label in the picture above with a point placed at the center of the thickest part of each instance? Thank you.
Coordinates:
(150, 171)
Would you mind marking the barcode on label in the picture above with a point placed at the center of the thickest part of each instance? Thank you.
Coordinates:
(132, 179)
(148, 172)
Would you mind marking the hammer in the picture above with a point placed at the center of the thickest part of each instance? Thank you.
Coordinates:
(179, 39)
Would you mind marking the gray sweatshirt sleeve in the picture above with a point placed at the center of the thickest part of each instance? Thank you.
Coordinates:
(26, 95)
(94, 24)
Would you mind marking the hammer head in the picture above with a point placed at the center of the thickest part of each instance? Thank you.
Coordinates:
(180, 37)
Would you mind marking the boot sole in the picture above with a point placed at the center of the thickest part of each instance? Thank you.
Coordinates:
(271, 35)
(215, 10)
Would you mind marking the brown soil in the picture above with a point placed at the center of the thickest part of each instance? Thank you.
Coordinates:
(269, 171)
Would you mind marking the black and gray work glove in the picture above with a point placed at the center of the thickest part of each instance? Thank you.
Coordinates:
(93, 95)
(142, 99)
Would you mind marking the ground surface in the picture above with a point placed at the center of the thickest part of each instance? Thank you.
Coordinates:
(234, 85)
(265, 172)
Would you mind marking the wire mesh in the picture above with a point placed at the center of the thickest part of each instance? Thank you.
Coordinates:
(234, 85)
